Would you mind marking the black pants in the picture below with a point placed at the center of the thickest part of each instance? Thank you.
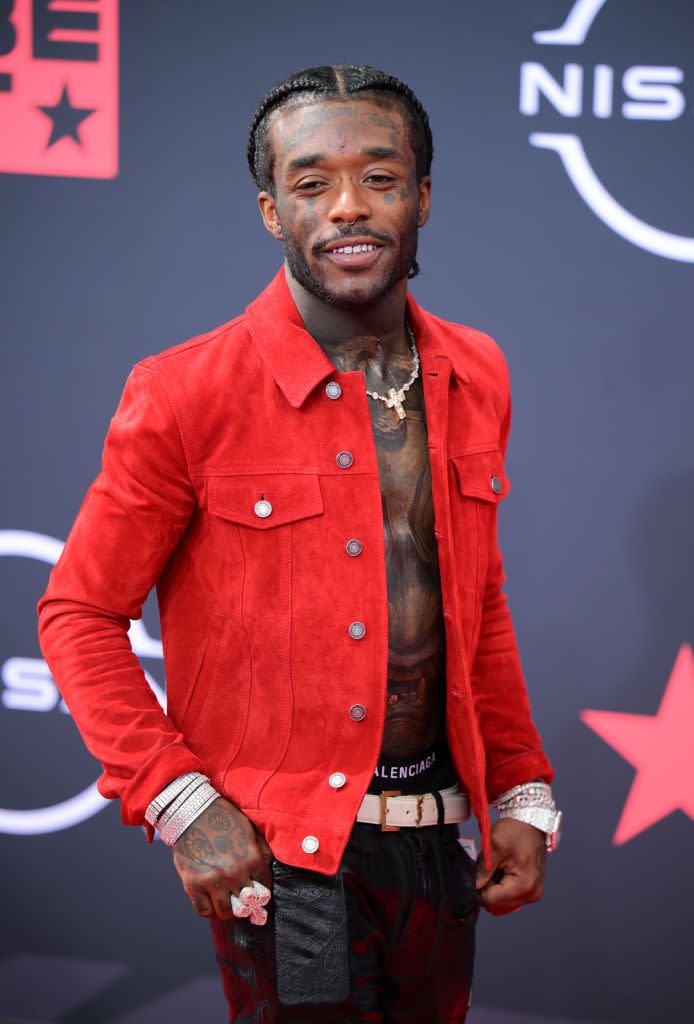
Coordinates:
(411, 910)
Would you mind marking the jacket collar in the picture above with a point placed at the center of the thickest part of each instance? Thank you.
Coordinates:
(296, 360)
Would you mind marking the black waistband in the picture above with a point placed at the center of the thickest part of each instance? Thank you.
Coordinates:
(428, 770)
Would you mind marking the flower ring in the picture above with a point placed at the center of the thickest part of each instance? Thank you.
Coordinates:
(250, 903)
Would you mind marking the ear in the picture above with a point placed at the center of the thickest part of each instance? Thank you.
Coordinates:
(268, 211)
(424, 200)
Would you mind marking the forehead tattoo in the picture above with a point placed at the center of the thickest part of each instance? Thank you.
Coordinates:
(304, 119)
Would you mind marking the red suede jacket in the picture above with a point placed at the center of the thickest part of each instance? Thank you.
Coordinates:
(268, 693)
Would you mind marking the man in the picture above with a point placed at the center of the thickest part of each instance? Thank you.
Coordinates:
(313, 489)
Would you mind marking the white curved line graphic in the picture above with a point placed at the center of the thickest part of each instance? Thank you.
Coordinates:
(605, 207)
(576, 27)
(27, 544)
(53, 819)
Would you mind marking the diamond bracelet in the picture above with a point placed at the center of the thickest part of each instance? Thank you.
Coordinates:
(193, 808)
(527, 794)
(174, 789)
(180, 800)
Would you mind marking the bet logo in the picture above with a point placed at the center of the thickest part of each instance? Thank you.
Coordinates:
(59, 88)
(600, 93)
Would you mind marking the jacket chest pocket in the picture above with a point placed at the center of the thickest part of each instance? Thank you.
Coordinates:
(264, 501)
(261, 519)
(480, 484)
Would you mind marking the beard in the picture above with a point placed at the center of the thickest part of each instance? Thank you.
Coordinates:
(365, 296)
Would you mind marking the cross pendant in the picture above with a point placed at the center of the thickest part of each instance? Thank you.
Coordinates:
(396, 398)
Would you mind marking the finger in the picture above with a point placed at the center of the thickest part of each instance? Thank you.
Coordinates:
(221, 898)
(201, 904)
(482, 874)
(497, 904)
(507, 895)
(221, 894)
(259, 868)
(264, 875)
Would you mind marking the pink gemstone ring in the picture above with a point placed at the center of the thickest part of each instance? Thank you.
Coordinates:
(250, 903)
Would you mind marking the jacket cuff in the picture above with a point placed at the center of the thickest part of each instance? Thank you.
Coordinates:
(150, 779)
(523, 767)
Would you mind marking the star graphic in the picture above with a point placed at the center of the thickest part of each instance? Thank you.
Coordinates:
(66, 119)
(661, 749)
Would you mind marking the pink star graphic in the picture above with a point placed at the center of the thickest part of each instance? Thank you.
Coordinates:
(661, 749)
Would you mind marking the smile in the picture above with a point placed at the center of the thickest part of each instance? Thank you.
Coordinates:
(355, 248)
(354, 256)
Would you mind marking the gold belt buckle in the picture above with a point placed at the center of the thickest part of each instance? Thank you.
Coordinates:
(420, 802)
(384, 796)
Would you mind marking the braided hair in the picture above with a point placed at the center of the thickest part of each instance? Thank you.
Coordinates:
(335, 82)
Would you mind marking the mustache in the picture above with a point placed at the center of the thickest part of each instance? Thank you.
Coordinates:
(352, 232)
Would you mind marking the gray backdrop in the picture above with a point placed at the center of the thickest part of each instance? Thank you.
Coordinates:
(593, 310)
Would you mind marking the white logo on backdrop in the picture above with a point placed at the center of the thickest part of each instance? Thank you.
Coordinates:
(27, 685)
(652, 94)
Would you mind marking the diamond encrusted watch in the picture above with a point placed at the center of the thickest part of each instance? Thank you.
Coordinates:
(533, 803)
(543, 818)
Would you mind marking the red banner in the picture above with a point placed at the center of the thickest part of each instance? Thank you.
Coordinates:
(59, 87)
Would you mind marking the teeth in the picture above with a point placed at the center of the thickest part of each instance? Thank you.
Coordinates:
(355, 248)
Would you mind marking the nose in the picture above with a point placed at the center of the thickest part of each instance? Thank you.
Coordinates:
(351, 204)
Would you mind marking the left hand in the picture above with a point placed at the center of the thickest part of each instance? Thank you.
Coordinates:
(517, 867)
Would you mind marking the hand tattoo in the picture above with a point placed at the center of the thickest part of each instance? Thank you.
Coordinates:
(218, 819)
(196, 848)
(223, 844)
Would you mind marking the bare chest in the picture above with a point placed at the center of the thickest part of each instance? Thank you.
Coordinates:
(404, 475)
(416, 636)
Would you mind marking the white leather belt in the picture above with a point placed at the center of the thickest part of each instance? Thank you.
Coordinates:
(391, 810)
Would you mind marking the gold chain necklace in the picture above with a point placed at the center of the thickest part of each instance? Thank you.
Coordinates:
(394, 399)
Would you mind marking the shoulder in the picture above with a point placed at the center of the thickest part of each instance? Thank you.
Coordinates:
(186, 372)
(194, 353)
(182, 376)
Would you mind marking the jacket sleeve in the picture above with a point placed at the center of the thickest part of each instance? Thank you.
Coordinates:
(513, 747)
(132, 517)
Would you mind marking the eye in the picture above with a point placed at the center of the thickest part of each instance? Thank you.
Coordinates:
(381, 179)
(306, 186)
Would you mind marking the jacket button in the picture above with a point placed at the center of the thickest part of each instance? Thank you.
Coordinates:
(309, 844)
(357, 712)
(337, 780)
(344, 459)
(357, 630)
(333, 389)
(496, 485)
(262, 508)
(353, 547)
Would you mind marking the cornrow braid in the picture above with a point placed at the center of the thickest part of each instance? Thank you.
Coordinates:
(337, 82)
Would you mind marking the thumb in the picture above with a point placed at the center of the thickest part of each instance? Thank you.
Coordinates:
(483, 874)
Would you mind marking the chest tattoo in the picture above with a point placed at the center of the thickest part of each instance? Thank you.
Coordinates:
(416, 636)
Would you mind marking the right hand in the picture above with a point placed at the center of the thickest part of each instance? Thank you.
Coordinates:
(219, 853)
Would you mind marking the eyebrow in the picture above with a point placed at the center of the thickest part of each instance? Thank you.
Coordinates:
(376, 152)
